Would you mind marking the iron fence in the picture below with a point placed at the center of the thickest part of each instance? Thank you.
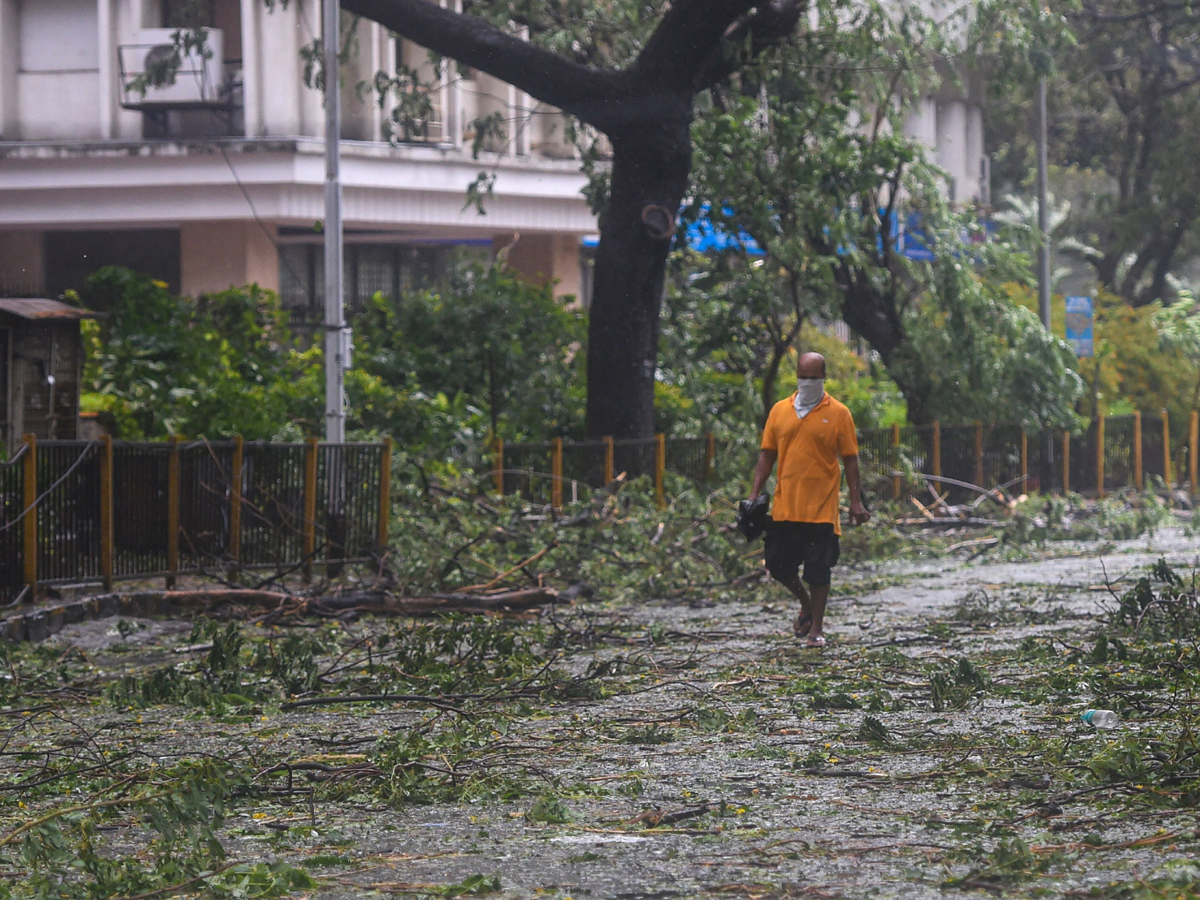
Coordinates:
(12, 504)
(552, 472)
(1112, 453)
(105, 511)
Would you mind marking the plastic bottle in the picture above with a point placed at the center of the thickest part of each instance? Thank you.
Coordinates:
(1099, 718)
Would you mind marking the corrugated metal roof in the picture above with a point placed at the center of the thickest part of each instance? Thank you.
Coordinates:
(41, 308)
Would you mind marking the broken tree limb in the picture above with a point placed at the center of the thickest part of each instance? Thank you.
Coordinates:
(372, 698)
(38, 624)
(922, 507)
(495, 581)
(997, 493)
(952, 521)
(986, 543)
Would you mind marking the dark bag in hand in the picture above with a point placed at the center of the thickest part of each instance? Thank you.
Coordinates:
(752, 516)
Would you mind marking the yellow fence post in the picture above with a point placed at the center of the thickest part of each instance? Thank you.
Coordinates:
(660, 465)
(556, 473)
(1166, 439)
(497, 464)
(308, 539)
(172, 511)
(106, 511)
(937, 448)
(1024, 462)
(979, 453)
(896, 486)
(1193, 439)
(235, 501)
(30, 546)
(1099, 457)
(385, 491)
(710, 455)
(1138, 480)
(608, 460)
(1066, 462)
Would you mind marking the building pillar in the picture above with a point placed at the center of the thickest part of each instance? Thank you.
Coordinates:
(251, 69)
(215, 256)
(10, 54)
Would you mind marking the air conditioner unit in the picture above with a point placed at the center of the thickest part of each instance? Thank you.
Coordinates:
(197, 78)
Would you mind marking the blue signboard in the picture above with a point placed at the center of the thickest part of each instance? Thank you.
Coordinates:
(1079, 325)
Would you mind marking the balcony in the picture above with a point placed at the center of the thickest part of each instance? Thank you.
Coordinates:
(180, 82)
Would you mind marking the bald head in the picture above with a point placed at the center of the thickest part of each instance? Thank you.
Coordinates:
(810, 365)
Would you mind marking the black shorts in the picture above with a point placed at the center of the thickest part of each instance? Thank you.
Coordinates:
(788, 544)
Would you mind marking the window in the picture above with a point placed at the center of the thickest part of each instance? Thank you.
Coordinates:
(71, 256)
(389, 269)
(188, 14)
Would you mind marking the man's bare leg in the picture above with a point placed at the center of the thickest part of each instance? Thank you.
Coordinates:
(797, 588)
(816, 606)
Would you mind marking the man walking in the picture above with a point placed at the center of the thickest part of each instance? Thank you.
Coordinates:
(808, 433)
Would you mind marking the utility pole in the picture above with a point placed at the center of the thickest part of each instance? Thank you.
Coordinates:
(1043, 212)
(1047, 472)
(337, 343)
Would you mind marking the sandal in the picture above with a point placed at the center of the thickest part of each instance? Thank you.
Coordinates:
(801, 625)
(815, 641)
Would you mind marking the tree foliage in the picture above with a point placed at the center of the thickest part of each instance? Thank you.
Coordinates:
(809, 160)
(1124, 105)
(441, 371)
(501, 357)
(226, 363)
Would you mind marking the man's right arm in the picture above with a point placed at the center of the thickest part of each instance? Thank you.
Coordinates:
(762, 471)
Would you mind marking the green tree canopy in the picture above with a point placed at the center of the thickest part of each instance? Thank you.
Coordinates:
(808, 158)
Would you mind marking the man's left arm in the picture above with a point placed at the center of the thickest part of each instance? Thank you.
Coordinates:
(858, 512)
(848, 450)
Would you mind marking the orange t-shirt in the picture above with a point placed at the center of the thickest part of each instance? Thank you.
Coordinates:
(809, 477)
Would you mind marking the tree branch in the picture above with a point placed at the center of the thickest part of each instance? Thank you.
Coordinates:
(770, 25)
(587, 92)
(683, 41)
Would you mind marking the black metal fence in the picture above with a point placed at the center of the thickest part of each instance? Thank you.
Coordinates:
(554, 471)
(104, 511)
(902, 462)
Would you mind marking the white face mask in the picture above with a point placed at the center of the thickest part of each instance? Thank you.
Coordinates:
(809, 392)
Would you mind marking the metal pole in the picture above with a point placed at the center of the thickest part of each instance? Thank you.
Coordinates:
(335, 325)
(1047, 466)
(1043, 212)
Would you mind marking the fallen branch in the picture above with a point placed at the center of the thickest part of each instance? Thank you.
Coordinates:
(39, 624)
(372, 698)
(495, 581)
(950, 521)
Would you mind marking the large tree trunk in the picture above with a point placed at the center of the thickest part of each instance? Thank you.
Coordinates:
(873, 314)
(645, 109)
(649, 176)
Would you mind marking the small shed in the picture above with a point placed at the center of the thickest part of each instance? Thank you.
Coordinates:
(41, 365)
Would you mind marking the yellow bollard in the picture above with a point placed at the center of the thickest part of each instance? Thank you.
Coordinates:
(106, 511)
(30, 546)
(172, 511)
(556, 473)
(1138, 480)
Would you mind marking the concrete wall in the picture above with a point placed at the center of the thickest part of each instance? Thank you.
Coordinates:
(21, 263)
(9, 58)
(952, 128)
(952, 148)
(545, 258)
(215, 256)
(58, 82)
(280, 33)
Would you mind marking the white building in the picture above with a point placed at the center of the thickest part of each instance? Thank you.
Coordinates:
(950, 124)
(217, 180)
